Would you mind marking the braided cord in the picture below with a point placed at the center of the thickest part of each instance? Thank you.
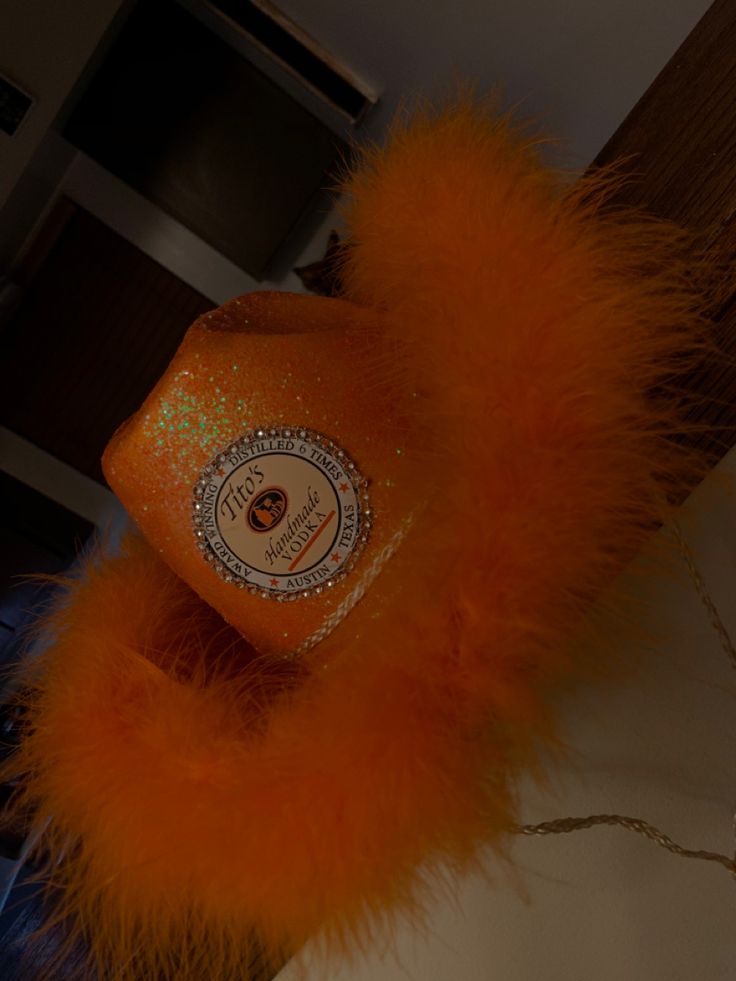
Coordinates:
(570, 824)
(566, 825)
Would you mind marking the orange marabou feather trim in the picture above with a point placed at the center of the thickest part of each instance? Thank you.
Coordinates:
(201, 792)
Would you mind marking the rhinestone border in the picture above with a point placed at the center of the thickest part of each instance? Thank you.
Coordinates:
(360, 485)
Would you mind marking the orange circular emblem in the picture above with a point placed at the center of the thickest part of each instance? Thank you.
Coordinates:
(267, 509)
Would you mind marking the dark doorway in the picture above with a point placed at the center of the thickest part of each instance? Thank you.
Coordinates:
(96, 326)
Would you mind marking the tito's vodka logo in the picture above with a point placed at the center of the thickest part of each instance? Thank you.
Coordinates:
(282, 512)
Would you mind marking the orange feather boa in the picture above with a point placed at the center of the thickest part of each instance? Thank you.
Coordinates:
(203, 794)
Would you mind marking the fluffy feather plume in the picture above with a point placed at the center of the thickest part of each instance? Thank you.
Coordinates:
(202, 794)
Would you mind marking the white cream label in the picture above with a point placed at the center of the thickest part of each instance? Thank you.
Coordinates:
(282, 512)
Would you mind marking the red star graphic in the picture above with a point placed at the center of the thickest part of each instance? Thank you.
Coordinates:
(344, 488)
(274, 582)
(335, 556)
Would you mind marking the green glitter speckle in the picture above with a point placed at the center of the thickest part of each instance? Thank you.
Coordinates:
(195, 413)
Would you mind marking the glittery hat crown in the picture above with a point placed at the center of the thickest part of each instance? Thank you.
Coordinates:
(257, 464)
